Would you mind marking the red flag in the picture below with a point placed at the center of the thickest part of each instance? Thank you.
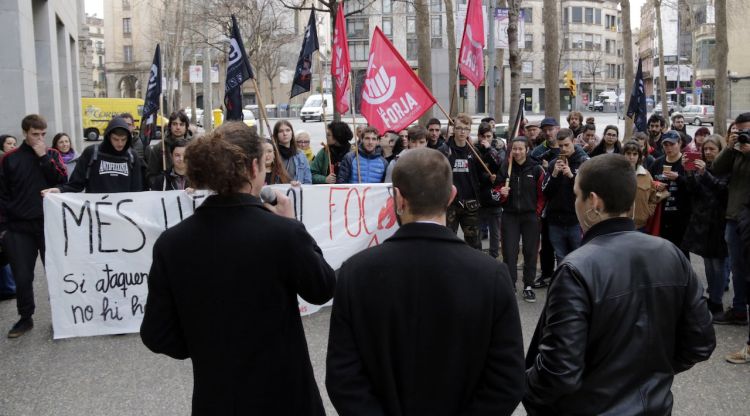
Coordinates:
(392, 96)
(341, 67)
(470, 57)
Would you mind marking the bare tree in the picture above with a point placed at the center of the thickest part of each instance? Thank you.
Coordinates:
(592, 64)
(720, 52)
(500, 89)
(514, 58)
(662, 75)
(551, 59)
(452, 58)
(627, 49)
(424, 54)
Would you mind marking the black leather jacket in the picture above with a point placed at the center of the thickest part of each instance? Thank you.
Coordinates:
(624, 314)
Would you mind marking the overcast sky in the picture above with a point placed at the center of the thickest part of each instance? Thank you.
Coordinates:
(96, 7)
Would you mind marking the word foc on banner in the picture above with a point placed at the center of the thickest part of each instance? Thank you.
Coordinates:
(99, 246)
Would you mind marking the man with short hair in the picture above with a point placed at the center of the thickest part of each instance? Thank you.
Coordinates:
(564, 229)
(423, 324)
(24, 172)
(464, 210)
(434, 138)
(417, 136)
(575, 122)
(368, 161)
(532, 133)
(656, 125)
(734, 161)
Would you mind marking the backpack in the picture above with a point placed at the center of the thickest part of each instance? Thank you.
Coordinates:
(130, 159)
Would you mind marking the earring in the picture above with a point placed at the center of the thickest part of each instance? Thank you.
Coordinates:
(597, 217)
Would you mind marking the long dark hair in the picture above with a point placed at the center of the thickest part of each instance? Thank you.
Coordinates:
(277, 127)
(55, 140)
(277, 166)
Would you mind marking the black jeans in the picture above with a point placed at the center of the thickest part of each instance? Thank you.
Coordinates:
(469, 221)
(524, 227)
(547, 252)
(491, 216)
(22, 248)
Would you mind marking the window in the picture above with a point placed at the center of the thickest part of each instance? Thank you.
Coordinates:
(411, 25)
(610, 22)
(577, 14)
(387, 6)
(101, 61)
(589, 41)
(609, 46)
(410, 8)
(411, 49)
(126, 27)
(589, 15)
(436, 32)
(436, 6)
(611, 71)
(388, 27)
(527, 68)
(597, 42)
(527, 14)
(359, 50)
(565, 15)
(528, 41)
(127, 53)
(126, 4)
(357, 27)
(598, 16)
(576, 41)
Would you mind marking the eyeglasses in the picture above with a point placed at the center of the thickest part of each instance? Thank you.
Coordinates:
(303, 141)
(461, 129)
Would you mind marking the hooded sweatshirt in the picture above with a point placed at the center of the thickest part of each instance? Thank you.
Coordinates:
(102, 169)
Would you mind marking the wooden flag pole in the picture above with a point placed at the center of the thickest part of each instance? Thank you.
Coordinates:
(163, 146)
(468, 141)
(328, 153)
(262, 108)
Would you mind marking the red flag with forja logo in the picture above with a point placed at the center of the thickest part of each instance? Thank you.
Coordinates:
(341, 66)
(392, 96)
(470, 58)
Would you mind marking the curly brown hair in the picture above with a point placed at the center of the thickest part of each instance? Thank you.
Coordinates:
(223, 160)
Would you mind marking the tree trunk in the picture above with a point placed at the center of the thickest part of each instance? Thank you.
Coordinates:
(593, 85)
(450, 15)
(424, 53)
(662, 76)
(514, 59)
(627, 50)
(721, 51)
(551, 59)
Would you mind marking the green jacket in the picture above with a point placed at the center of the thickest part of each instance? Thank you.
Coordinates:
(737, 164)
(319, 167)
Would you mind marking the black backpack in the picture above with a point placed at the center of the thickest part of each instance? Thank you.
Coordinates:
(130, 159)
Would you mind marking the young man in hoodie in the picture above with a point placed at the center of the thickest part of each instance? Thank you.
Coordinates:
(369, 166)
(564, 230)
(109, 167)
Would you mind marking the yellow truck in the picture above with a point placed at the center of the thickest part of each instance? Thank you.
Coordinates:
(98, 111)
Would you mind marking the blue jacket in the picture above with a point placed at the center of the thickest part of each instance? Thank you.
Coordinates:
(302, 167)
(372, 167)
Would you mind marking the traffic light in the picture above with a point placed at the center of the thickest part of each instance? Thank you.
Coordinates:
(570, 83)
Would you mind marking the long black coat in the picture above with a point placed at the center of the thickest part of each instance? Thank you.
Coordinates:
(424, 325)
(223, 291)
(705, 231)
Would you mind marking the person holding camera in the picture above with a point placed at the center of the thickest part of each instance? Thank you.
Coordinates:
(734, 160)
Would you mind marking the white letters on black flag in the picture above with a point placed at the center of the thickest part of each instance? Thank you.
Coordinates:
(99, 246)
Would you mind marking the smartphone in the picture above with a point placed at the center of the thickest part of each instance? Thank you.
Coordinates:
(689, 158)
(563, 158)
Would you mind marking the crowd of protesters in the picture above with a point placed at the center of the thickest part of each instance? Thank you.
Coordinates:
(525, 192)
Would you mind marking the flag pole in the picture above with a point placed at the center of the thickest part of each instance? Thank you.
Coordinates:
(262, 108)
(163, 146)
(468, 141)
(328, 153)
(514, 133)
(322, 91)
(354, 123)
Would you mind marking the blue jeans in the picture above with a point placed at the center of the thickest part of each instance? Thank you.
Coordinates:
(564, 239)
(740, 270)
(7, 284)
(715, 268)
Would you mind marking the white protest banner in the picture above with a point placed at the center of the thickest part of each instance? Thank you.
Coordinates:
(99, 245)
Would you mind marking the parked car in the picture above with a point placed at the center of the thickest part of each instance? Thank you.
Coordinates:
(596, 106)
(699, 114)
(671, 105)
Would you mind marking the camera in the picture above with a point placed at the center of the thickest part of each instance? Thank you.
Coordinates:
(743, 136)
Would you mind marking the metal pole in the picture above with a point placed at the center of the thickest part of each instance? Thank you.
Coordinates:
(490, 84)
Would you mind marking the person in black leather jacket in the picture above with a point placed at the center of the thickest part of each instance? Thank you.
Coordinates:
(624, 314)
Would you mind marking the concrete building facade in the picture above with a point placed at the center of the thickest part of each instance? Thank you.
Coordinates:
(40, 65)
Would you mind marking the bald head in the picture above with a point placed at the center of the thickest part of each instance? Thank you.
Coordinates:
(425, 180)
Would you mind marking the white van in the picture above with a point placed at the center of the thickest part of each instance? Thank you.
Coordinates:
(313, 108)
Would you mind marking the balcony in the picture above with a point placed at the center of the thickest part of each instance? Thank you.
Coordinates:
(100, 51)
(705, 31)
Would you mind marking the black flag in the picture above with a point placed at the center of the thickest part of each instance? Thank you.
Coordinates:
(303, 73)
(637, 108)
(151, 102)
(238, 71)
